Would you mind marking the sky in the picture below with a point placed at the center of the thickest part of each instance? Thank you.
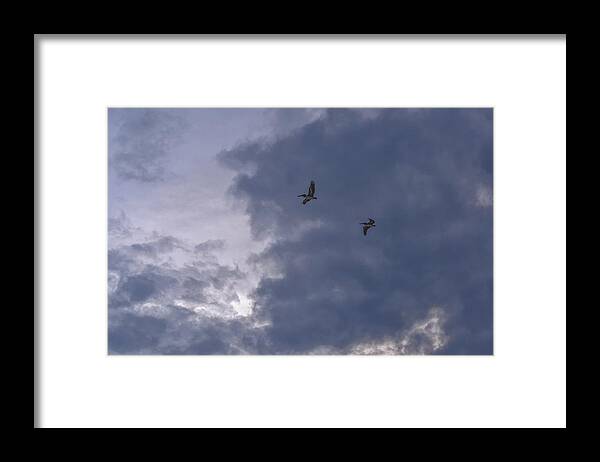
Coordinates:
(211, 252)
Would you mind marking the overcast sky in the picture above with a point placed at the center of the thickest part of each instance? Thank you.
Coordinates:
(212, 252)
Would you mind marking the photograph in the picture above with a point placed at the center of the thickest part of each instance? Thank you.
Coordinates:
(296, 231)
(300, 231)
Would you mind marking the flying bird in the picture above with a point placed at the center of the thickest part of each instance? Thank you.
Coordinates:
(366, 226)
(311, 193)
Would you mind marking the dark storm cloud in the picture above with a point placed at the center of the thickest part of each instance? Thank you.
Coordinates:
(135, 330)
(420, 174)
(142, 139)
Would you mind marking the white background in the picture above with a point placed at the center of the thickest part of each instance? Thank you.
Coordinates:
(523, 384)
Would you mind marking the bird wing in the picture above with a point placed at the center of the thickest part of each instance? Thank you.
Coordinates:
(365, 229)
(302, 195)
(371, 221)
(311, 189)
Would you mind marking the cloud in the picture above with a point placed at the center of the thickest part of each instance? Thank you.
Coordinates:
(416, 173)
(141, 139)
(425, 336)
(319, 286)
(210, 245)
(484, 197)
(167, 296)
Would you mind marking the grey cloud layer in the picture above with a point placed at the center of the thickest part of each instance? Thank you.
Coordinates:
(141, 142)
(421, 282)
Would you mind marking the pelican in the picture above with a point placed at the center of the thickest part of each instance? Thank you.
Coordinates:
(366, 226)
(311, 193)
